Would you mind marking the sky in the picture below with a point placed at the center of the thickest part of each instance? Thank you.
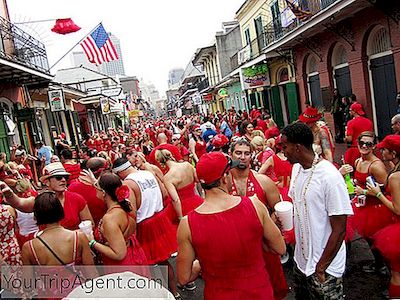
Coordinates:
(156, 35)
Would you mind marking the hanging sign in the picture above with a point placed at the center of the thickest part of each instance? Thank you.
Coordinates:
(105, 105)
(56, 100)
(255, 76)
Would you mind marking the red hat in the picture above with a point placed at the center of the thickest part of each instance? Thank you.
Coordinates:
(310, 115)
(212, 166)
(357, 108)
(219, 140)
(391, 142)
(195, 127)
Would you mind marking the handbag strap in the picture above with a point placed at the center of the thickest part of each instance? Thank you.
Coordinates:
(51, 250)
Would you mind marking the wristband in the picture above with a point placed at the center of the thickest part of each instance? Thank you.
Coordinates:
(92, 243)
(378, 194)
(365, 192)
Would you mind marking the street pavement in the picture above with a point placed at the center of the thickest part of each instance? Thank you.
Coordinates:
(357, 284)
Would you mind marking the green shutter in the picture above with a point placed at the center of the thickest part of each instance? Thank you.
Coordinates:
(4, 147)
(276, 106)
(291, 91)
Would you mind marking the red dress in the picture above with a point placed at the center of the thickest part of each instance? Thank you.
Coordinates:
(157, 236)
(372, 217)
(73, 205)
(200, 148)
(283, 171)
(387, 241)
(272, 261)
(9, 248)
(74, 170)
(134, 255)
(189, 199)
(232, 264)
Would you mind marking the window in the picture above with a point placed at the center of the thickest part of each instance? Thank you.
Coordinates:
(378, 41)
(312, 65)
(260, 33)
(283, 75)
(339, 56)
(247, 36)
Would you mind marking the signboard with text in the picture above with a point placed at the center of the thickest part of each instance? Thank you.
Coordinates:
(255, 76)
(105, 105)
(56, 100)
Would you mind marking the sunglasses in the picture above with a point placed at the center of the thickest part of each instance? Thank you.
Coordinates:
(60, 177)
(228, 166)
(174, 140)
(367, 144)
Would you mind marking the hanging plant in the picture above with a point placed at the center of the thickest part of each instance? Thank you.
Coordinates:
(255, 70)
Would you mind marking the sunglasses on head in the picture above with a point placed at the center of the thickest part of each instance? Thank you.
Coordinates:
(60, 177)
(367, 144)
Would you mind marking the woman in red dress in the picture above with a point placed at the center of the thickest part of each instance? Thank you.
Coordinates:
(232, 265)
(370, 215)
(387, 240)
(180, 183)
(196, 144)
(70, 165)
(246, 130)
(115, 235)
(281, 168)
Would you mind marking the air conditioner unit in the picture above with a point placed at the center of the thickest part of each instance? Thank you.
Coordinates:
(244, 55)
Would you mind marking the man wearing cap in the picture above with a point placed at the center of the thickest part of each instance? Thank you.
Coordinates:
(355, 127)
(246, 182)
(396, 124)
(232, 265)
(323, 141)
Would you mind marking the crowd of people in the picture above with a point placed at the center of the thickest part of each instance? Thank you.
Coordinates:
(205, 187)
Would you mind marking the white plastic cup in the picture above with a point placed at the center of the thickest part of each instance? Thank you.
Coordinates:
(86, 227)
(284, 212)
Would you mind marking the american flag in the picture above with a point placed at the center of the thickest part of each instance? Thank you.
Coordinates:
(300, 13)
(98, 46)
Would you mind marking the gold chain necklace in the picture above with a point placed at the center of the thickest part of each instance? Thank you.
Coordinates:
(303, 199)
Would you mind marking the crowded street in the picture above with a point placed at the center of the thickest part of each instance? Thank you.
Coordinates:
(241, 150)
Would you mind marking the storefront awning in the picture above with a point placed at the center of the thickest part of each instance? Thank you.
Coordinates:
(19, 74)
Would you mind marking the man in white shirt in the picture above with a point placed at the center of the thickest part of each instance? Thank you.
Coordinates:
(321, 206)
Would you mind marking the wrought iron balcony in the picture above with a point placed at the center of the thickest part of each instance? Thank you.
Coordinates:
(18, 46)
(275, 30)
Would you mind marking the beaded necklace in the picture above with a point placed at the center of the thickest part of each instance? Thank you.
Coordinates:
(303, 200)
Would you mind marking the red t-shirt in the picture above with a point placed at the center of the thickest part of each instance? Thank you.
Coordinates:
(73, 205)
(357, 126)
(96, 206)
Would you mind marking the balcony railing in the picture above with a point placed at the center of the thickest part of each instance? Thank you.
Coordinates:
(18, 46)
(274, 31)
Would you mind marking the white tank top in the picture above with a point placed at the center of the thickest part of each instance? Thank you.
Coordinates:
(26, 223)
(151, 194)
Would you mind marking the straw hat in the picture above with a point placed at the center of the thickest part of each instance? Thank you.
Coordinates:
(53, 169)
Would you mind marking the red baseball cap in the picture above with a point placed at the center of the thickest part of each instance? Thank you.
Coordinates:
(219, 140)
(357, 108)
(212, 166)
(391, 142)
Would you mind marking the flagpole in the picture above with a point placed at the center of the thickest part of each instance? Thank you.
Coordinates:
(74, 46)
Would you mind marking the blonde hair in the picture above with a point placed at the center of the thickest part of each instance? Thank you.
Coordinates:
(257, 141)
(163, 155)
(258, 133)
(271, 123)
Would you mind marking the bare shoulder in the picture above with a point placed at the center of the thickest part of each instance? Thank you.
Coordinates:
(378, 165)
(262, 178)
(394, 177)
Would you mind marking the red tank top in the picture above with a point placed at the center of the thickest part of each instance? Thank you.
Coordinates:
(253, 188)
(200, 148)
(362, 182)
(282, 170)
(222, 268)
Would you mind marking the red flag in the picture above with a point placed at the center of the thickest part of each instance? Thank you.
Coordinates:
(65, 26)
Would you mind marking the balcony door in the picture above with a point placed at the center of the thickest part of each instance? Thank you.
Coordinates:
(260, 33)
(276, 19)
